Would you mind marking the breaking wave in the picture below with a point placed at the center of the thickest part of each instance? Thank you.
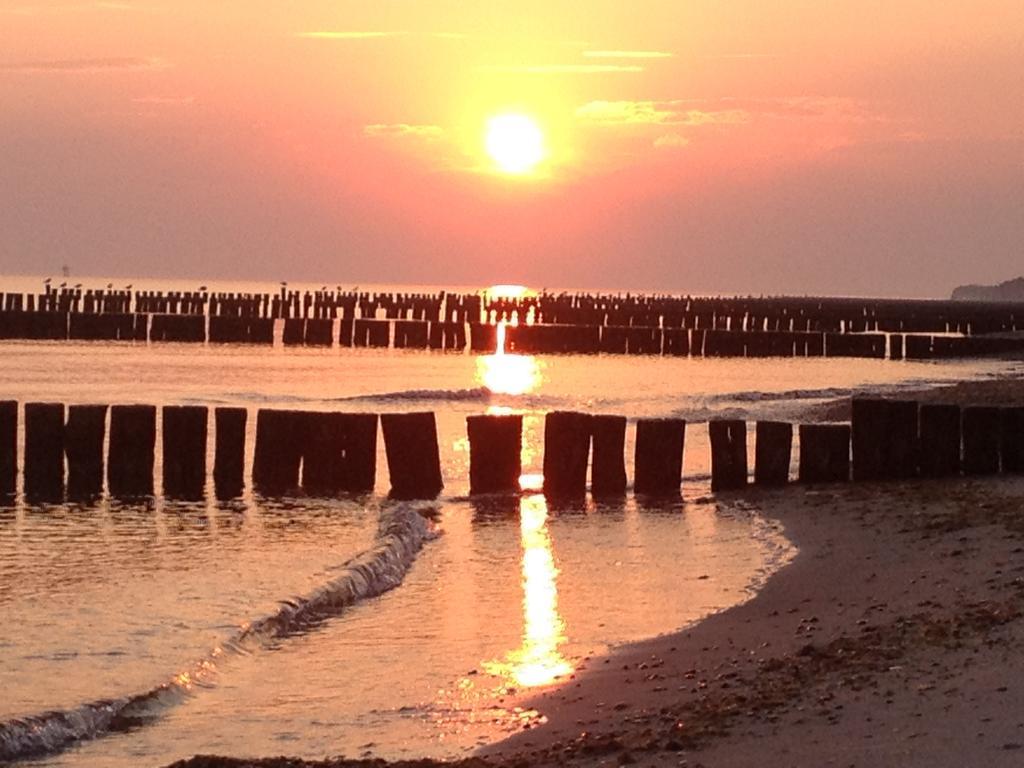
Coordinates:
(402, 532)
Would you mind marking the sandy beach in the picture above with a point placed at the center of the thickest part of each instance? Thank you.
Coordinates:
(893, 638)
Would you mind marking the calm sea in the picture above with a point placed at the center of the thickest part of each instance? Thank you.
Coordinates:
(172, 629)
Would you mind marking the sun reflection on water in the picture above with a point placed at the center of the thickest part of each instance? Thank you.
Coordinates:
(507, 374)
(538, 660)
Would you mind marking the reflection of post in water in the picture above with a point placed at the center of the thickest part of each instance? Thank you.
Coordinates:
(537, 661)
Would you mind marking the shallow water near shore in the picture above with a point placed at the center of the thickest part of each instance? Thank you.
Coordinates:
(112, 600)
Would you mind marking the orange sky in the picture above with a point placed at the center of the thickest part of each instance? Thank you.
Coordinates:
(691, 146)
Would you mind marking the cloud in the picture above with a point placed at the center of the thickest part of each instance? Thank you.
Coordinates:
(671, 141)
(627, 54)
(81, 66)
(349, 35)
(403, 130)
(656, 113)
(563, 69)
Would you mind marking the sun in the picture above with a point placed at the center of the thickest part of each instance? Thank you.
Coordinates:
(515, 143)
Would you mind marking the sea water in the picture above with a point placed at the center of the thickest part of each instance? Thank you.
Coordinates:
(316, 627)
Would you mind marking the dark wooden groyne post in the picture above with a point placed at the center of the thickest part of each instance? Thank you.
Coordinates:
(885, 439)
(728, 454)
(339, 452)
(278, 453)
(132, 445)
(824, 453)
(939, 440)
(184, 448)
(608, 465)
(495, 452)
(658, 459)
(566, 453)
(44, 451)
(1012, 439)
(981, 433)
(773, 450)
(414, 462)
(83, 445)
(229, 452)
(8, 448)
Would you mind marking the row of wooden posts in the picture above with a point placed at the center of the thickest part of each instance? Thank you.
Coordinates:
(483, 338)
(332, 453)
(797, 314)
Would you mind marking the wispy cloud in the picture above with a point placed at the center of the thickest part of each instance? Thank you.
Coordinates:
(655, 113)
(627, 54)
(725, 111)
(349, 34)
(563, 69)
(82, 66)
(671, 141)
(403, 130)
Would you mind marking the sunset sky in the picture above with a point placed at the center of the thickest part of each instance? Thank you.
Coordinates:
(869, 148)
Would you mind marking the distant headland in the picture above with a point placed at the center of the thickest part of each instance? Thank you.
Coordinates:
(1010, 290)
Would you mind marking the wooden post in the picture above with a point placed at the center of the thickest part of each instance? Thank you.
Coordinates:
(772, 453)
(184, 449)
(44, 451)
(132, 444)
(83, 444)
(1012, 439)
(566, 453)
(339, 452)
(229, 453)
(8, 448)
(728, 454)
(981, 432)
(275, 469)
(824, 453)
(939, 440)
(885, 439)
(658, 461)
(608, 467)
(414, 462)
(495, 448)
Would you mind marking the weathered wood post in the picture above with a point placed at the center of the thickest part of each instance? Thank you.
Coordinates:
(1012, 439)
(278, 452)
(658, 459)
(495, 452)
(44, 451)
(939, 440)
(824, 453)
(83, 444)
(566, 453)
(339, 452)
(885, 439)
(608, 466)
(229, 452)
(184, 449)
(902, 448)
(981, 430)
(414, 462)
(8, 448)
(773, 453)
(132, 445)
(728, 454)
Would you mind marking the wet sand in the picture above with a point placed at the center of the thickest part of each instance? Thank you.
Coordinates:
(895, 637)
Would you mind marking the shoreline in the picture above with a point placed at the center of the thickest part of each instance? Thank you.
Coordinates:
(893, 637)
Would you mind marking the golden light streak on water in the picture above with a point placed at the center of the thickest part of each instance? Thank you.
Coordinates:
(538, 660)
